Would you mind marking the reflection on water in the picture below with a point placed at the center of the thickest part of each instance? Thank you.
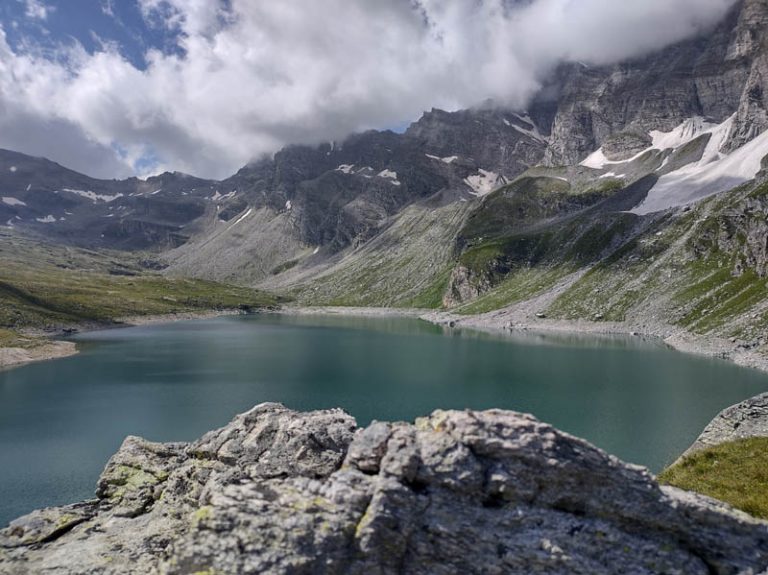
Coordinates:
(61, 420)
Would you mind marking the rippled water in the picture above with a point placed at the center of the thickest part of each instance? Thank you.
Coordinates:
(61, 420)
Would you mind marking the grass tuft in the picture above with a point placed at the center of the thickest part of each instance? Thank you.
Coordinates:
(735, 472)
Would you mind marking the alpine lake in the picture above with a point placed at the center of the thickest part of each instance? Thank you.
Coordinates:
(60, 421)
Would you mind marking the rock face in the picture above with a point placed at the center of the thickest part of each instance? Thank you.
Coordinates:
(46, 200)
(277, 491)
(713, 75)
(746, 419)
(342, 195)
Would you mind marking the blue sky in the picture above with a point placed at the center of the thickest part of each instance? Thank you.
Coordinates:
(89, 22)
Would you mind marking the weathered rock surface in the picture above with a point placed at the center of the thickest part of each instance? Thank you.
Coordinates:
(746, 419)
(277, 491)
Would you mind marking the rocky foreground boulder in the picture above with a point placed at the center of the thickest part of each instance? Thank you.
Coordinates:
(277, 491)
(741, 421)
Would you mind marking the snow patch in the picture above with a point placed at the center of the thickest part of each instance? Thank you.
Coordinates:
(241, 218)
(596, 160)
(13, 169)
(681, 135)
(288, 205)
(49, 219)
(13, 202)
(345, 168)
(686, 132)
(218, 197)
(484, 182)
(389, 175)
(446, 160)
(317, 249)
(714, 173)
(92, 196)
(29, 187)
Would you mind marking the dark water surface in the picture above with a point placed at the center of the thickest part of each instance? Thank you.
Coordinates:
(61, 420)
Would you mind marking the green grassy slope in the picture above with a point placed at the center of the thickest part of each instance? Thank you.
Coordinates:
(407, 265)
(703, 268)
(44, 286)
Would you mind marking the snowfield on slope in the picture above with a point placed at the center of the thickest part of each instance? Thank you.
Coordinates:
(714, 173)
(484, 182)
(94, 197)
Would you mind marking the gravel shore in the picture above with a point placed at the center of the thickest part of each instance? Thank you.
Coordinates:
(17, 356)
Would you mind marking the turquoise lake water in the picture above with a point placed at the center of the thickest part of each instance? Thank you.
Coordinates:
(61, 420)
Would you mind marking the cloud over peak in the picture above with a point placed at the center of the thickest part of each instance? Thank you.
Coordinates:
(245, 77)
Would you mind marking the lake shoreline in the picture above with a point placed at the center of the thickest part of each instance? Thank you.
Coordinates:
(54, 347)
(519, 321)
(507, 321)
(672, 336)
(11, 357)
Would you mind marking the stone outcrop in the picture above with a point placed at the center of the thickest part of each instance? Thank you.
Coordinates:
(750, 44)
(277, 491)
(746, 419)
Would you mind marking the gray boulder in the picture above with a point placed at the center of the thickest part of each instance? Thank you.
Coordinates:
(746, 419)
(277, 491)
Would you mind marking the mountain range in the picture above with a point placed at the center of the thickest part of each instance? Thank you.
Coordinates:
(631, 192)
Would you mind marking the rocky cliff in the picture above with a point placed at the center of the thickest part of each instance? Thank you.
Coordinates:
(713, 76)
(277, 491)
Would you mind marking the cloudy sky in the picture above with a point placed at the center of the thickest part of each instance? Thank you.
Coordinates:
(121, 87)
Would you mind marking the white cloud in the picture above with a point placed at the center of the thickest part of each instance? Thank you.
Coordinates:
(257, 75)
(37, 9)
(108, 8)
